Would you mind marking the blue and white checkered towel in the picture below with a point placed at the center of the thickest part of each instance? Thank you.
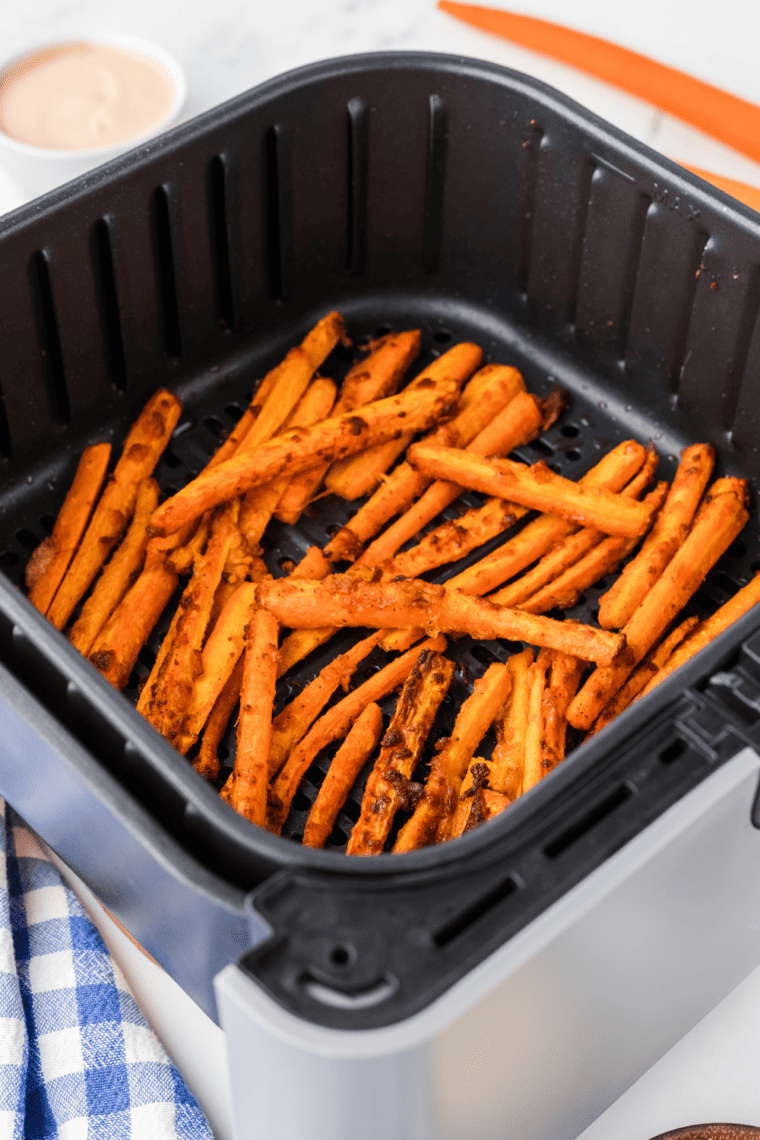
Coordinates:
(78, 1061)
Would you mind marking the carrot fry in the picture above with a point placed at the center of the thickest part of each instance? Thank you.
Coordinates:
(387, 788)
(643, 674)
(434, 812)
(669, 531)
(341, 775)
(373, 378)
(246, 788)
(49, 562)
(709, 629)
(347, 600)
(313, 565)
(533, 768)
(504, 389)
(241, 563)
(475, 778)
(604, 558)
(119, 574)
(295, 720)
(564, 675)
(511, 726)
(206, 762)
(454, 539)
(147, 438)
(717, 523)
(122, 637)
(333, 725)
(300, 643)
(218, 660)
(536, 487)
(300, 448)
(354, 476)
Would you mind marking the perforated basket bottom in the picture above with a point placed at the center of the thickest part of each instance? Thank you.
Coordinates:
(584, 431)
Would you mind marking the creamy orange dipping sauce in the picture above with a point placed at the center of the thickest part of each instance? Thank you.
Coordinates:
(80, 95)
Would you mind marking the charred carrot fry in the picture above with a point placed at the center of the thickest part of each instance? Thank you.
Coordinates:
(643, 674)
(563, 676)
(207, 761)
(708, 630)
(434, 812)
(346, 765)
(220, 655)
(351, 600)
(387, 788)
(49, 562)
(147, 438)
(717, 523)
(300, 448)
(669, 531)
(475, 778)
(333, 725)
(246, 788)
(373, 378)
(452, 540)
(354, 476)
(295, 720)
(536, 487)
(604, 558)
(511, 726)
(119, 574)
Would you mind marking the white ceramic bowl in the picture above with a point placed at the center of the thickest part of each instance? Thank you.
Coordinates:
(37, 170)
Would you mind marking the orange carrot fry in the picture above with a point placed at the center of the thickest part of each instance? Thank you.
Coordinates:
(354, 476)
(147, 438)
(207, 761)
(434, 812)
(708, 630)
(373, 378)
(218, 660)
(669, 531)
(333, 725)
(341, 775)
(246, 788)
(300, 643)
(49, 562)
(717, 523)
(387, 788)
(536, 487)
(452, 540)
(122, 637)
(300, 448)
(347, 600)
(533, 756)
(119, 574)
(603, 558)
(295, 720)
(511, 725)
(643, 674)
(475, 778)
(563, 677)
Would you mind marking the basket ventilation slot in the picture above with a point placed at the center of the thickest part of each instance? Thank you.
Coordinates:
(105, 277)
(220, 243)
(478, 910)
(435, 184)
(279, 252)
(588, 822)
(165, 272)
(49, 338)
(358, 164)
(531, 149)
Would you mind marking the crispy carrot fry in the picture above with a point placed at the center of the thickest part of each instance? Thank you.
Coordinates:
(563, 676)
(434, 812)
(604, 558)
(485, 805)
(147, 438)
(536, 487)
(300, 448)
(218, 660)
(709, 629)
(669, 531)
(387, 788)
(333, 725)
(313, 565)
(300, 643)
(717, 523)
(242, 562)
(119, 574)
(348, 600)
(294, 721)
(533, 768)
(51, 559)
(373, 378)
(504, 389)
(116, 648)
(206, 762)
(354, 476)
(643, 674)
(341, 775)
(246, 788)
(454, 539)
(511, 726)
(259, 504)
(475, 778)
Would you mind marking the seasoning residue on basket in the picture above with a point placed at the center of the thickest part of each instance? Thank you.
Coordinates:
(81, 96)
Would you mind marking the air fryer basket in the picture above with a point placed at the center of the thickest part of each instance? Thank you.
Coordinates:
(406, 190)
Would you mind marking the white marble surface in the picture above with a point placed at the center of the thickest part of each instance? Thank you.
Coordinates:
(230, 45)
